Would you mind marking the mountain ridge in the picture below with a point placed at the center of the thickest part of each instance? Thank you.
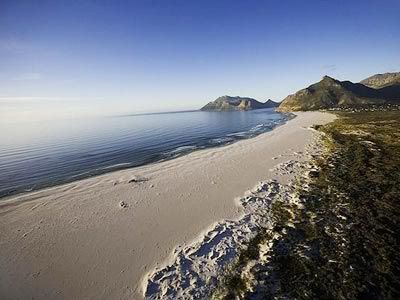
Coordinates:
(237, 103)
(332, 93)
(382, 80)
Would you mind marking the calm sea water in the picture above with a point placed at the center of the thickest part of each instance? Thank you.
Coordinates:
(37, 155)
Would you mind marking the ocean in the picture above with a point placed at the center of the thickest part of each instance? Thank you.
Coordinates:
(36, 155)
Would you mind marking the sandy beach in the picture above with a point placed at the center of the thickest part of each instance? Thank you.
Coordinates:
(100, 237)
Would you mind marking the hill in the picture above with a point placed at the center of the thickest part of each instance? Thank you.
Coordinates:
(228, 103)
(332, 93)
(382, 80)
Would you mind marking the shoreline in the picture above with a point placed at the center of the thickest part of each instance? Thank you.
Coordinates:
(160, 157)
(76, 240)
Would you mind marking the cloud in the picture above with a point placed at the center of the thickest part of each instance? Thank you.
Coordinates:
(329, 67)
(37, 99)
(28, 76)
(15, 46)
(27, 109)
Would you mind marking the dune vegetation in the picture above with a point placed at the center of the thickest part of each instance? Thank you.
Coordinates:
(341, 240)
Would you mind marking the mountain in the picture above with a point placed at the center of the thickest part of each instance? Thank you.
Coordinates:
(270, 103)
(228, 103)
(332, 93)
(382, 80)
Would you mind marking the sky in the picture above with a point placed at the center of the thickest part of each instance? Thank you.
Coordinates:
(114, 57)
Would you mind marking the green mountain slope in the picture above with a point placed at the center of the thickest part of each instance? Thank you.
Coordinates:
(332, 93)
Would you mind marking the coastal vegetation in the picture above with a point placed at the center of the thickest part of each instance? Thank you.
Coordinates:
(340, 240)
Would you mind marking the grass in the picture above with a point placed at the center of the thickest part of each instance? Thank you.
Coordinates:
(233, 284)
(343, 243)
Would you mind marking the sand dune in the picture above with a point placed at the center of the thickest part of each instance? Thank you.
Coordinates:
(104, 237)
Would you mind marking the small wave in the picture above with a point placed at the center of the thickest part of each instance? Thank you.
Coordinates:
(261, 128)
(222, 140)
(257, 127)
(97, 170)
(239, 134)
(80, 174)
(180, 150)
(255, 130)
(115, 166)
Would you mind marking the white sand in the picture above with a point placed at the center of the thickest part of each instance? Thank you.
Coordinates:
(76, 241)
(193, 270)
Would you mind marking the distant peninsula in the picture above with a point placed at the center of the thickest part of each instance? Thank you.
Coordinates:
(329, 93)
(229, 103)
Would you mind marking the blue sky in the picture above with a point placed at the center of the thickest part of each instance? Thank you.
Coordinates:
(124, 56)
